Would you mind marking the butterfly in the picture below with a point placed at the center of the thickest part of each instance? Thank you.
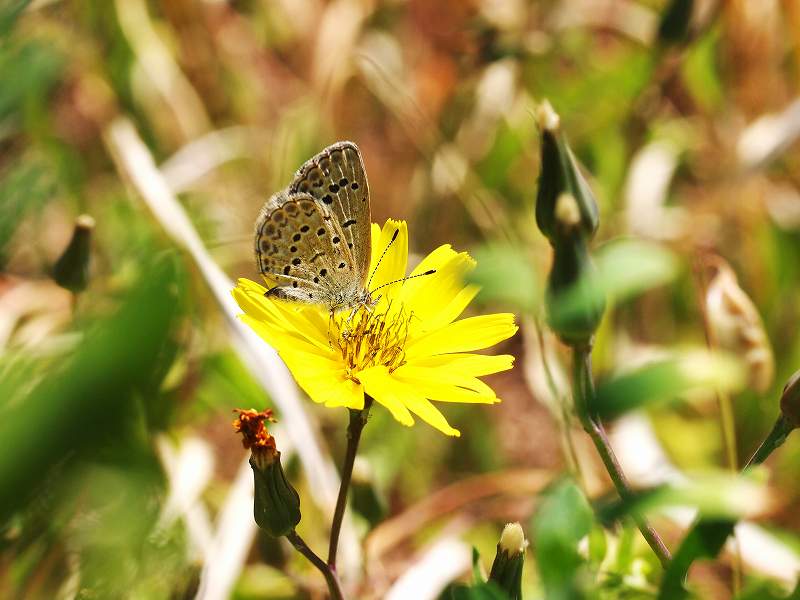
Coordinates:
(314, 237)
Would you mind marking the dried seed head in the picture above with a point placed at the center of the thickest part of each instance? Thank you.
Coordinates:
(737, 327)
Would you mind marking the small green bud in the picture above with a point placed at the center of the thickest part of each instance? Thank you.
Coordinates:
(276, 507)
(575, 298)
(506, 570)
(71, 270)
(561, 175)
(790, 400)
(277, 504)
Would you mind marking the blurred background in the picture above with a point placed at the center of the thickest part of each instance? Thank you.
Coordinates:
(169, 122)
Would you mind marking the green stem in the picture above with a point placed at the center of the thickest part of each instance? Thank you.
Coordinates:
(583, 390)
(334, 587)
(358, 418)
(707, 537)
(564, 422)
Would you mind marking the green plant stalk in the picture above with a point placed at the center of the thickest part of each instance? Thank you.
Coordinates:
(727, 422)
(583, 390)
(713, 534)
(728, 426)
(334, 587)
(358, 418)
(564, 423)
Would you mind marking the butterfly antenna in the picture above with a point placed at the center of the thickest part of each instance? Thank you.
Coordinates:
(406, 278)
(380, 260)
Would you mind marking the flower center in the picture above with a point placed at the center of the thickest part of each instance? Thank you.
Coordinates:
(368, 339)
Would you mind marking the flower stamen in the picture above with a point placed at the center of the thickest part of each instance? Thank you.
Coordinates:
(370, 339)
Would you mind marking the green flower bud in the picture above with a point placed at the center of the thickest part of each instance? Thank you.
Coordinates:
(276, 508)
(575, 299)
(790, 400)
(277, 504)
(506, 570)
(560, 175)
(71, 270)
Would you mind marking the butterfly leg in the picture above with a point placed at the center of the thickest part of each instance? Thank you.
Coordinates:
(352, 314)
(330, 319)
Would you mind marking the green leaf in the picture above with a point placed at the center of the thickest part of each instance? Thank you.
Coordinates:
(24, 188)
(91, 395)
(563, 519)
(768, 590)
(477, 571)
(9, 13)
(629, 267)
(506, 276)
(705, 540)
(700, 72)
(666, 380)
(27, 71)
(716, 494)
(579, 285)
(481, 591)
(598, 545)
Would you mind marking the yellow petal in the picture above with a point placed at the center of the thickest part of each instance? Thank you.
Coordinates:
(446, 387)
(311, 322)
(282, 340)
(393, 258)
(379, 385)
(392, 392)
(473, 333)
(324, 381)
(426, 411)
(475, 365)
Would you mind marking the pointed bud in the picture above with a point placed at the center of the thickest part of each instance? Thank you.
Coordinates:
(71, 270)
(790, 400)
(276, 506)
(506, 570)
(559, 175)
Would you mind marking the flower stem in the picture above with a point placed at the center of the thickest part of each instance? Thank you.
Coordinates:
(334, 587)
(584, 393)
(358, 418)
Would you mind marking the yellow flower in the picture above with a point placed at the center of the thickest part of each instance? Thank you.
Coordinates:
(405, 352)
